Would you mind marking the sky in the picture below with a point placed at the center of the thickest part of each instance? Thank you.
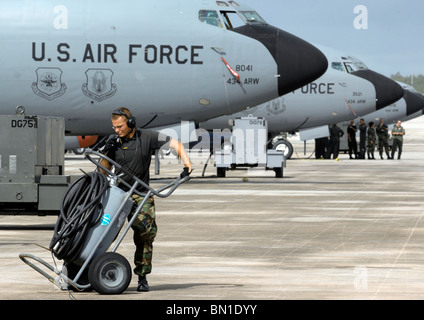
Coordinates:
(387, 35)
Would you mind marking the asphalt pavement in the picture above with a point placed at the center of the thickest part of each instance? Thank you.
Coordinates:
(347, 229)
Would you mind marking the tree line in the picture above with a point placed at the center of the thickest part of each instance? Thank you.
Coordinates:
(415, 81)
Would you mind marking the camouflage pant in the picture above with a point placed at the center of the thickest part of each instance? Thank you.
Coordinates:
(371, 146)
(145, 230)
(383, 143)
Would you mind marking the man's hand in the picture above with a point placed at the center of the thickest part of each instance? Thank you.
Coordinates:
(177, 146)
(111, 144)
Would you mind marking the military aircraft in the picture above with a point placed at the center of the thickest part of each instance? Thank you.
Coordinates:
(413, 116)
(410, 104)
(410, 114)
(167, 61)
(347, 89)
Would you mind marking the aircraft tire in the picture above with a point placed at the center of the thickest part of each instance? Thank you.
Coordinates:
(79, 151)
(285, 146)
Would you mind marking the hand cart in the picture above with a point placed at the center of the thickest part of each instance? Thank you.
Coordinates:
(108, 272)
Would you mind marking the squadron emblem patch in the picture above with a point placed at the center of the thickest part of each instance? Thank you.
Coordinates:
(276, 106)
(49, 83)
(99, 84)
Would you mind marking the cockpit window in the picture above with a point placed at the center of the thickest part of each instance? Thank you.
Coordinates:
(210, 17)
(337, 66)
(232, 19)
(407, 87)
(234, 4)
(358, 64)
(349, 65)
(252, 17)
(222, 4)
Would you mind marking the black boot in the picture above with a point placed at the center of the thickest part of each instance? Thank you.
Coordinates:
(143, 285)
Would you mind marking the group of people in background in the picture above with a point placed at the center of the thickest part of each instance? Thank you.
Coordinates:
(369, 138)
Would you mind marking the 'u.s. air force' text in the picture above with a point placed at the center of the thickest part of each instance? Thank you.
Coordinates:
(108, 53)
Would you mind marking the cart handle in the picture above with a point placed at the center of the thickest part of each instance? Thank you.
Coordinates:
(159, 192)
(25, 258)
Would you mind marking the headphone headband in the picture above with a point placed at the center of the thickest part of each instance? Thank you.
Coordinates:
(130, 120)
(120, 112)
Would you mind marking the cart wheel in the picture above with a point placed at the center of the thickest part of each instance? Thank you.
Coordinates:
(220, 172)
(110, 273)
(278, 172)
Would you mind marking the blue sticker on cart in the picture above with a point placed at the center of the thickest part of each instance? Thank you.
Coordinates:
(105, 220)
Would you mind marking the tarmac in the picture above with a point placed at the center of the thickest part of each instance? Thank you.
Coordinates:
(344, 230)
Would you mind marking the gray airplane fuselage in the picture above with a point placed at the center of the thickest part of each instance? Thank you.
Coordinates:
(407, 108)
(334, 97)
(82, 59)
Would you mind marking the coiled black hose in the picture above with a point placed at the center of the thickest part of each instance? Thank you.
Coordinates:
(80, 209)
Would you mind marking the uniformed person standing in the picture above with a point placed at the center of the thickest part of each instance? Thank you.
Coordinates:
(383, 138)
(362, 138)
(371, 137)
(397, 135)
(132, 149)
(351, 140)
(321, 146)
(333, 146)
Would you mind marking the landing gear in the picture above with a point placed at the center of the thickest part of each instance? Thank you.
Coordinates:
(284, 146)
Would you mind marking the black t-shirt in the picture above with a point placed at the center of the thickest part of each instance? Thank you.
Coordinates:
(351, 133)
(135, 154)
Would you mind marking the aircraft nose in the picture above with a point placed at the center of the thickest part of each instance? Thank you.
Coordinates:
(387, 91)
(298, 61)
(414, 102)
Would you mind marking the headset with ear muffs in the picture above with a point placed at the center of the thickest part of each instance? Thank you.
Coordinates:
(130, 120)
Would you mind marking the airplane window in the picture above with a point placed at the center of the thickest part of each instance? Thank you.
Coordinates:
(222, 4)
(407, 87)
(358, 64)
(252, 17)
(232, 19)
(234, 4)
(349, 67)
(210, 17)
(337, 66)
